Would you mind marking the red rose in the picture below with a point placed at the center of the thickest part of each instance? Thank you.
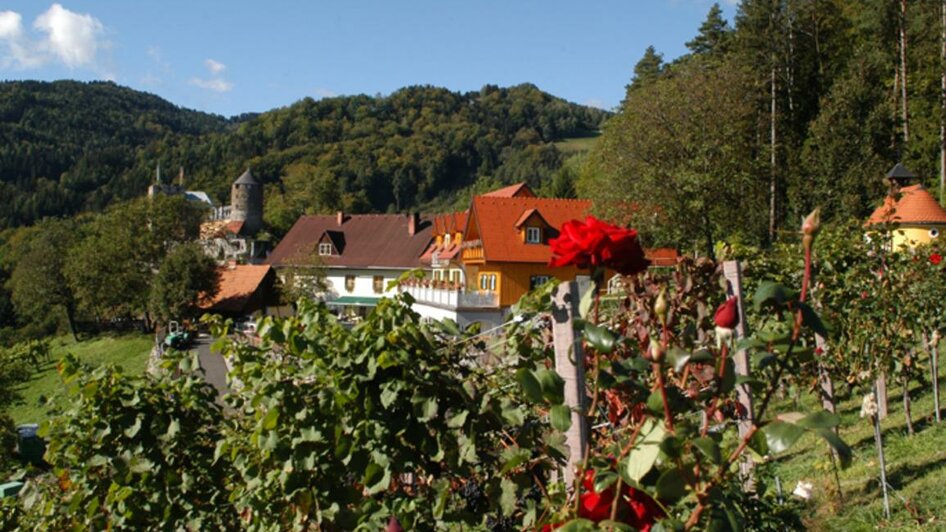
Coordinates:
(635, 508)
(727, 315)
(596, 243)
(936, 258)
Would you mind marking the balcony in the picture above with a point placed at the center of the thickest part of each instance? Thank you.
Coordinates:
(448, 295)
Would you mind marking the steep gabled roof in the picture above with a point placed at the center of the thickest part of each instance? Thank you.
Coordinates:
(915, 205)
(237, 286)
(529, 213)
(496, 218)
(519, 190)
(370, 240)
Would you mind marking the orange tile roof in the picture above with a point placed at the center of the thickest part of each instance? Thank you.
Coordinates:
(519, 190)
(662, 256)
(237, 285)
(496, 217)
(914, 206)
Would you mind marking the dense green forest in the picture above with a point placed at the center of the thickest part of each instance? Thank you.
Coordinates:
(797, 103)
(70, 147)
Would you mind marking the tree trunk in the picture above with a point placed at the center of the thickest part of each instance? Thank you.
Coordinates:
(905, 115)
(906, 402)
(773, 184)
(71, 318)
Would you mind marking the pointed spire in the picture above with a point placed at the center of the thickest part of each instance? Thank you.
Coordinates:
(900, 176)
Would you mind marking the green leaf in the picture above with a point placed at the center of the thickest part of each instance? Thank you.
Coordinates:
(780, 435)
(458, 420)
(271, 418)
(679, 358)
(836, 443)
(670, 486)
(820, 420)
(709, 448)
(561, 417)
(608, 524)
(810, 319)
(513, 457)
(377, 478)
(587, 299)
(759, 443)
(515, 416)
(600, 338)
(530, 385)
(604, 480)
(644, 454)
(770, 293)
(577, 525)
(552, 384)
(507, 499)
(425, 408)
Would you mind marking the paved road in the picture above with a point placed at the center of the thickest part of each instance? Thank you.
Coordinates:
(215, 369)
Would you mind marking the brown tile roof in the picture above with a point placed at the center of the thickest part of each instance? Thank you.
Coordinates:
(914, 206)
(662, 256)
(496, 218)
(370, 240)
(519, 190)
(238, 284)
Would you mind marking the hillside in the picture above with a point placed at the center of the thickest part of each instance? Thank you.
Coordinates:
(70, 146)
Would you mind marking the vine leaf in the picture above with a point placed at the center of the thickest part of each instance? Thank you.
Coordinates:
(561, 417)
(645, 452)
(781, 435)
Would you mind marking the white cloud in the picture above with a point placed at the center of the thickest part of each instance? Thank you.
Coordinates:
(216, 84)
(62, 36)
(215, 67)
(71, 37)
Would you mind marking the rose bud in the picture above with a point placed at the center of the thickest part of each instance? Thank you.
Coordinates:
(810, 227)
(660, 306)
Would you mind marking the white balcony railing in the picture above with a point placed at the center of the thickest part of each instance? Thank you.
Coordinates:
(451, 297)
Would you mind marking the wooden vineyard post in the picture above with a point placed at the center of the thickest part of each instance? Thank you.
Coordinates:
(824, 379)
(570, 365)
(732, 271)
(881, 386)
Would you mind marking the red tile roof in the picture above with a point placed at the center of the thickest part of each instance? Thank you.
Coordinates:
(370, 240)
(238, 284)
(519, 190)
(914, 206)
(662, 256)
(496, 218)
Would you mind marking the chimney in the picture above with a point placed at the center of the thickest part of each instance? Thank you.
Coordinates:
(340, 217)
(412, 222)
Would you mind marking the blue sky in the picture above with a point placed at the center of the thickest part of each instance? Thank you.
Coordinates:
(230, 57)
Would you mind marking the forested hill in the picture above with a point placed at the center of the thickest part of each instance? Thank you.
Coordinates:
(70, 146)
(67, 145)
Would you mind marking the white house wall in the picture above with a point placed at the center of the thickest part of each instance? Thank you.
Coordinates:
(364, 282)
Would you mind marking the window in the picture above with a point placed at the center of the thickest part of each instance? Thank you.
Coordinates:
(325, 248)
(488, 282)
(934, 233)
(533, 235)
(536, 281)
(378, 284)
(350, 283)
(454, 276)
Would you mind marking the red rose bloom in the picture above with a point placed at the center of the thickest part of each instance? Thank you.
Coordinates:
(935, 259)
(596, 243)
(635, 508)
(727, 315)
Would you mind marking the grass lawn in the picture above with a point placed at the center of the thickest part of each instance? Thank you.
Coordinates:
(576, 144)
(916, 468)
(130, 351)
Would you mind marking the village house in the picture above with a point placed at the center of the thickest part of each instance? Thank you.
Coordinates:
(356, 256)
(244, 290)
(915, 214)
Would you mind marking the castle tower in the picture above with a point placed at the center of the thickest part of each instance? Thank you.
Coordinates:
(246, 203)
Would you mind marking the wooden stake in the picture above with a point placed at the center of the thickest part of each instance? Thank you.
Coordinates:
(881, 385)
(732, 271)
(570, 365)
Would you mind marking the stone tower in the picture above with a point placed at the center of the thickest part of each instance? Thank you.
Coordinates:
(246, 203)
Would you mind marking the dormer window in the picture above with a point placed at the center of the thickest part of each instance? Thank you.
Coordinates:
(325, 249)
(533, 235)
